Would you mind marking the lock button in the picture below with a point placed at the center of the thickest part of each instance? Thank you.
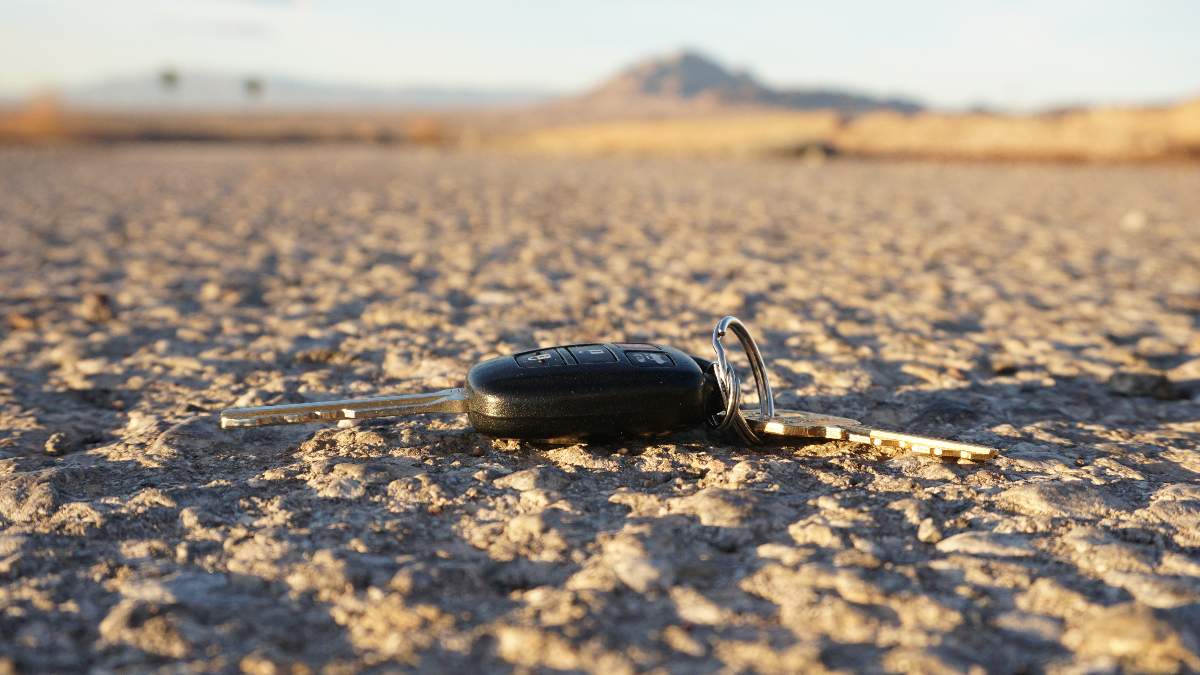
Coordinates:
(539, 358)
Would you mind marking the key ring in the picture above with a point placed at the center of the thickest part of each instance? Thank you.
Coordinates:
(730, 385)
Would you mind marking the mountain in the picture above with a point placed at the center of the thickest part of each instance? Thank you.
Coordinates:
(689, 79)
(217, 91)
(682, 82)
(684, 75)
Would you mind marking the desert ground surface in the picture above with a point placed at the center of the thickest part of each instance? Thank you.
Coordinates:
(1051, 311)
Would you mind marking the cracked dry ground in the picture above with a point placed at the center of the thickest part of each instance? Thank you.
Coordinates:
(145, 288)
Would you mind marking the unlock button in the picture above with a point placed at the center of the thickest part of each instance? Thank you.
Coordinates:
(592, 354)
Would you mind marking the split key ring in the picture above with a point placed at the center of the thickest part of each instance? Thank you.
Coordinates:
(730, 385)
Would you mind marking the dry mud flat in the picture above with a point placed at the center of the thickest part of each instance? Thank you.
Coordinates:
(145, 288)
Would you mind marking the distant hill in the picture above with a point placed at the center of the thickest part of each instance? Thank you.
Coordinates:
(222, 91)
(688, 79)
(682, 82)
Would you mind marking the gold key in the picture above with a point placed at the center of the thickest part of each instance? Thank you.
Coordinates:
(786, 424)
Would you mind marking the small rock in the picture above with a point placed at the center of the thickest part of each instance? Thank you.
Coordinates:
(1188, 370)
(545, 477)
(189, 517)
(681, 641)
(815, 531)
(1135, 636)
(641, 573)
(741, 473)
(716, 507)
(140, 422)
(318, 355)
(490, 472)
(1096, 552)
(18, 321)
(253, 397)
(1154, 590)
(786, 555)
(11, 543)
(1029, 627)
(946, 410)
(91, 366)
(26, 497)
(1064, 499)
(58, 444)
(828, 503)
(856, 558)
(912, 509)
(345, 487)
(525, 527)
(210, 291)
(694, 607)
(1050, 597)
(986, 543)
(928, 532)
(96, 307)
(1134, 221)
(1003, 364)
(1146, 384)
(192, 588)
(538, 498)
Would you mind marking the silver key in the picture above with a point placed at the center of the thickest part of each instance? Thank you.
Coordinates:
(444, 401)
(786, 424)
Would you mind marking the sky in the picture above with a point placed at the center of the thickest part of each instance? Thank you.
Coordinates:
(1018, 55)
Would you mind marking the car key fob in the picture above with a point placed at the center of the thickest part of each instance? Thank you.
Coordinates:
(573, 392)
(589, 391)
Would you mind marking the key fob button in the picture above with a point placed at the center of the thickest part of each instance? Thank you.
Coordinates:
(592, 354)
(646, 359)
(539, 358)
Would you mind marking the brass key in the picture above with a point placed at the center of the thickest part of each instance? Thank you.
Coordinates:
(786, 424)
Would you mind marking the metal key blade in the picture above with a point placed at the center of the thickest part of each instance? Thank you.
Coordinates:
(444, 401)
(933, 447)
(809, 425)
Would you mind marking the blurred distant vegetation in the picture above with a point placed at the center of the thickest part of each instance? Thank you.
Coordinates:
(45, 120)
(253, 87)
(1099, 134)
(168, 78)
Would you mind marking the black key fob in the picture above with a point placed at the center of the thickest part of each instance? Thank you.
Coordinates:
(577, 392)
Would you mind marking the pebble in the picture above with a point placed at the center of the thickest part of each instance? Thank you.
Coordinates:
(816, 531)
(929, 532)
(1134, 635)
(97, 308)
(1061, 498)
(27, 497)
(986, 544)
(57, 444)
(544, 477)
(1144, 384)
